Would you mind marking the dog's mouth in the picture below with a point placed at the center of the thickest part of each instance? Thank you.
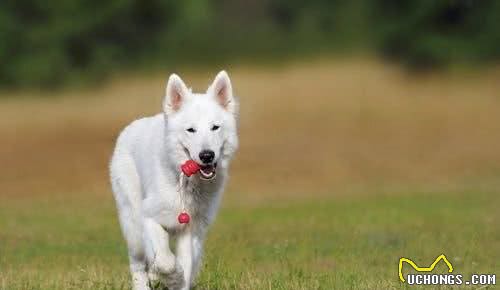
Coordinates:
(207, 172)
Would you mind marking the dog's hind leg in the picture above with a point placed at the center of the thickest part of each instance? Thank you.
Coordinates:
(127, 191)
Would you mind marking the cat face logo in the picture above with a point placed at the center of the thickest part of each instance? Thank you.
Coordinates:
(423, 269)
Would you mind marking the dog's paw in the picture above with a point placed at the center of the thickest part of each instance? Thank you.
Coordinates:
(175, 279)
(163, 265)
(157, 284)
(155, 281)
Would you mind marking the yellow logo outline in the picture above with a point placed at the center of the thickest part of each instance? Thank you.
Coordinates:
(423, 269)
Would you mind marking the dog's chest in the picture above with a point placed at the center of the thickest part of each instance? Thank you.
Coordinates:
(195, 200)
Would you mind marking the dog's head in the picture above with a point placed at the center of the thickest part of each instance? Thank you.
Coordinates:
(201, 127)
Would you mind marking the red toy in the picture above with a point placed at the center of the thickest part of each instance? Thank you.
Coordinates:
(183, 218)
(190, 167)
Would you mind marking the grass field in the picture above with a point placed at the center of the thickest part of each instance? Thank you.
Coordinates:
(384, 165)
(335, 244)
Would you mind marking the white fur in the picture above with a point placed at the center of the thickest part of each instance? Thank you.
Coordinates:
(145, 170)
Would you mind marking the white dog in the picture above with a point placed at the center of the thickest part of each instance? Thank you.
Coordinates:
(149, 191)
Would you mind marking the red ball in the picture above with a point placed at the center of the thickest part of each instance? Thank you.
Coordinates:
(190, 167)
(183, 218)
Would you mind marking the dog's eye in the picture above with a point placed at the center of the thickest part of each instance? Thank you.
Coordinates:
(215, 127)
(191, 130)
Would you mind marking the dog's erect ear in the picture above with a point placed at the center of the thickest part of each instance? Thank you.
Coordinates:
(175, 94)
(222, 90)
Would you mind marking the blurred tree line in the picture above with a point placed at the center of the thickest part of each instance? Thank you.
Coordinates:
(50, 43)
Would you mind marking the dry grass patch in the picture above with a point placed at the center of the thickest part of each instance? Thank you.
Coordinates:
(315, 127)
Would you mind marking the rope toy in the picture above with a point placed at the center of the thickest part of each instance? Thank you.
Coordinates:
(189, 168)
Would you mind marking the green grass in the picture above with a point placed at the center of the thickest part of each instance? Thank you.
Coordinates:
(347, 243)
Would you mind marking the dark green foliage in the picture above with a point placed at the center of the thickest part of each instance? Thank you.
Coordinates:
(427, 33)
(49, 43)
(46, 42)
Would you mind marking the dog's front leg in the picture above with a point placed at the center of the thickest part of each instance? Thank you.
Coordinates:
(161, 260)
(185, 255)
(198, 237)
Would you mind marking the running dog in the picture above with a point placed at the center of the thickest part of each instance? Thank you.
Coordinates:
(150, 191)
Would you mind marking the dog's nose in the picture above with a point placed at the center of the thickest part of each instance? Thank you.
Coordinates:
(207, 156)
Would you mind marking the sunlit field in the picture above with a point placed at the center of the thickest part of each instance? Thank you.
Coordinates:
(344, 167)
